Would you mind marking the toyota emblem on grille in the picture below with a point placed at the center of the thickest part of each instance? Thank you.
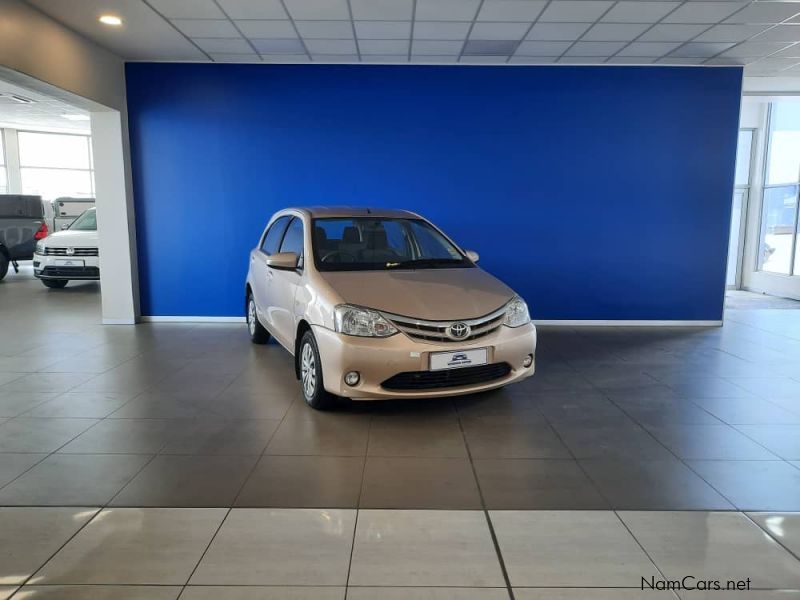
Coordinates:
(458, 331)
(70, 251)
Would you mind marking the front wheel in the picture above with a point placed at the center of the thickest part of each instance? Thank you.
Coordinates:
(258, 334)
(311, 374)
(55, 284)
(3, 265)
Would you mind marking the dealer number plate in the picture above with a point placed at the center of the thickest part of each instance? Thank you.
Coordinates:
(68, 262)
(458, 359)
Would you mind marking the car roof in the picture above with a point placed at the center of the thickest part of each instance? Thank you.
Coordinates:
(354, 211)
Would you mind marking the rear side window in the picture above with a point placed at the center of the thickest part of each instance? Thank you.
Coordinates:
(293, 240)
(274, 236)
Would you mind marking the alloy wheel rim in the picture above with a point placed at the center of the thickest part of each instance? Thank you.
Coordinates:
(251, 316)
(308, 372)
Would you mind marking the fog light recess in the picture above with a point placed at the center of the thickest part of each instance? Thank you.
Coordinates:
(527, 361)
(352, 378)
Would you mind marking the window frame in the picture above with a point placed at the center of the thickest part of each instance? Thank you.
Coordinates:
(767, 186)
(267, 231)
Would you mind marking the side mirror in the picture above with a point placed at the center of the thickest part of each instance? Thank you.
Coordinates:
(285, 261)
(473, 256)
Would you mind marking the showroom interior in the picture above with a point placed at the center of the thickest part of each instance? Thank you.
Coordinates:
(630, 169)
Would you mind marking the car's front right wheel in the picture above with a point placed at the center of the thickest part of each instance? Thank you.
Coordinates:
(311, 374)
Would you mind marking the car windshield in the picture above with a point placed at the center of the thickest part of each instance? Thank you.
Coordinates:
(374, 243)
(86, 222)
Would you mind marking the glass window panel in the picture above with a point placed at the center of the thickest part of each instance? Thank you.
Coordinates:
(783, 162)
(777, 229)
(293, 239)
(53, 183)
(3, 181)
(53, 150)
(743, 154)
(2, 152)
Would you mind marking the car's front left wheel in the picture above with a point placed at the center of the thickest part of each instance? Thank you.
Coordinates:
(258, 333)
(311, 374)
(55, 284)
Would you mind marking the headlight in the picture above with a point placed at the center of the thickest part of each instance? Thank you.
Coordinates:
(354, 320)
(517, 313)
(39, 247)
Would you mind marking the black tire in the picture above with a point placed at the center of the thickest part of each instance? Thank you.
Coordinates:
(3, 265)
(258, 335)
(55, 284)
(311, 375)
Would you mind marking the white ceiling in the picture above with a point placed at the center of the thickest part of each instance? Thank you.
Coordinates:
(763, 35)
(42, 112)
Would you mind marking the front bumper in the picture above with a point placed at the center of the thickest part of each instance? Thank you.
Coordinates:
(54, 267)
(378, 359)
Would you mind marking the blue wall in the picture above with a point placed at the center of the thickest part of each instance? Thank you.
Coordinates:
(596, 192)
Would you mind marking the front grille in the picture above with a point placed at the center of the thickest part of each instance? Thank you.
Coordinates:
(71, 272)
(436, 331)
(51, 251)
(429, 380)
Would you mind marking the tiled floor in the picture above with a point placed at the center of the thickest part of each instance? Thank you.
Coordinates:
(168, 460)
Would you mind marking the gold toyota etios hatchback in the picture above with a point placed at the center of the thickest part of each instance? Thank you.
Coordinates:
(379, 303)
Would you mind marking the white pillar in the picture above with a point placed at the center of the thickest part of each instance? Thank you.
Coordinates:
(119, 275)
(13, 172)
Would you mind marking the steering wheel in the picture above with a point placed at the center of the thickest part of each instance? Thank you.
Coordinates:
(342, 253)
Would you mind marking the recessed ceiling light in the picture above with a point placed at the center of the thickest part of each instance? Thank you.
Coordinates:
(112, 20)
(71, 117)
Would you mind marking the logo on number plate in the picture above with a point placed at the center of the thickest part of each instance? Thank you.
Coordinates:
(458, 331)
(70, 251)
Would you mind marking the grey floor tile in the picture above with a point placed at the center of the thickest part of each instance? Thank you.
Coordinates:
(13, 404)
(187, 481)
(90, 405)
(747, 411)
(614, 441)
(279, 547)
(521, 440)
(751, 595)
(342, 437)
(399, 482)
(136, 546)
(577, 411)
(262, 593)
(99, 592)
(719, 545)
(569, 549)
(223, 436)
(430, 548)
(304, 482)
(536, 484)
(155, 405)
(709, 442)
(127, 436)
(493, 409)
(635, 484)
(14, 465)
(591, 594)
(40, 435)
(46, 382)
(30, 536)
(769, 387)
(709, 387)
(753, 485)
(667, 412)
(425, 593)
(73, 480)
(443, 439)
(782, 440)
(6, 591)
(784, 527)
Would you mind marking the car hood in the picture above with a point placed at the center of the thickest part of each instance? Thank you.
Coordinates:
(75, 239)
(433, 294)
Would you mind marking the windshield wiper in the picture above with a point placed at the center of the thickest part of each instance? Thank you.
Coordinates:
(424, 262)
